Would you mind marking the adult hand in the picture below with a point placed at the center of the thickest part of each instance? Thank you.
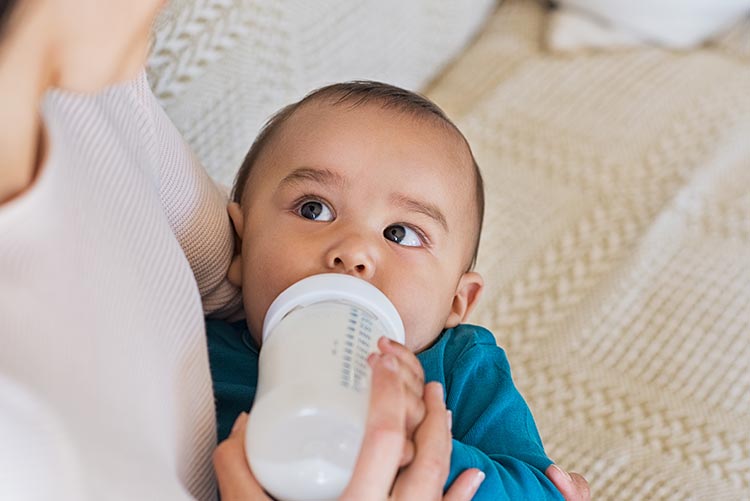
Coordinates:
(572, 486)
(236, 481)
(380, 457)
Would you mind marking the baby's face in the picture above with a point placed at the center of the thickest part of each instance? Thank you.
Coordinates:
(374, 193)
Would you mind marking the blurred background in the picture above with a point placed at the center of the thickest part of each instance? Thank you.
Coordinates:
(614, 138)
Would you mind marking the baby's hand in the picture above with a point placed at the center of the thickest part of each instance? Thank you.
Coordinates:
(412, 377)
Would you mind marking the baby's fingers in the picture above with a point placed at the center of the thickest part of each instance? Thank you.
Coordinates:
(411, 368)
(572, 486)
(415, 413)
(408, 455)
(412, 375)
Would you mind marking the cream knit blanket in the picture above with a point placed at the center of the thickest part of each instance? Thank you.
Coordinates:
(616, 247)
(616, 250)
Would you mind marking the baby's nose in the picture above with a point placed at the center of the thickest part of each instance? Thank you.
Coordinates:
(352, 256)
(358, 269)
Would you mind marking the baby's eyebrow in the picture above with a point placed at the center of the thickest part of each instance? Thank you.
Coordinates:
(320, 176)
(428, 209)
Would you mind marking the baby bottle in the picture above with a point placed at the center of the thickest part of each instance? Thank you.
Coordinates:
(307, 423)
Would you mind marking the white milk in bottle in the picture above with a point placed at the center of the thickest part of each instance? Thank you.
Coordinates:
(307, 423)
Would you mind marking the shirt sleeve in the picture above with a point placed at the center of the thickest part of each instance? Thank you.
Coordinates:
(493, 428)
(195, 207)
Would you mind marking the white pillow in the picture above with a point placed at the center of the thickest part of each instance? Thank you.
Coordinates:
(678, 24)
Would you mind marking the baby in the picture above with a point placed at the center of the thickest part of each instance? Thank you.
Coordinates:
(375, 181)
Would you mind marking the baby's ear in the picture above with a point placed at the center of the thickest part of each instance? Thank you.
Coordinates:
(234, 273)
(467, 295)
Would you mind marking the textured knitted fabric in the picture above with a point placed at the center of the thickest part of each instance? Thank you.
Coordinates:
(616, 250)
(104, 380)
(222, 67)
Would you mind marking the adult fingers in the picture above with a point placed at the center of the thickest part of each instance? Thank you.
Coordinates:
(384, 438)
(572, 486)
(425, 477)
(465, 485)
(236, 481)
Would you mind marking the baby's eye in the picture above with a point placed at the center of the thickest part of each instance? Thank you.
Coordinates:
(315, 211)
(403, 235)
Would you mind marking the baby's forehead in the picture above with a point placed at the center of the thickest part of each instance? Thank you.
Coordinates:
(436, 135)
(324, 109)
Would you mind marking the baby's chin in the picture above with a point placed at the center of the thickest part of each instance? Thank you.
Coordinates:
(255, 328)
(416, 345)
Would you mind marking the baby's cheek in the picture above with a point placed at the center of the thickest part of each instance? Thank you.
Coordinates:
(416, 309)
(255, 312)
(417, 336)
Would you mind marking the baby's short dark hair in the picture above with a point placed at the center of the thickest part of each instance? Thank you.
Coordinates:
(356, 93)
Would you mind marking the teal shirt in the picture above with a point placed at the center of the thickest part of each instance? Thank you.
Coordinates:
(493, 428)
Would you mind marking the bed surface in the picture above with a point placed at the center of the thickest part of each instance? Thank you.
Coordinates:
(616, 250)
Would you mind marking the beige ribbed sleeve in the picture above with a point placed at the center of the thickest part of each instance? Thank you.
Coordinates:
(105, 389)
(196, 209)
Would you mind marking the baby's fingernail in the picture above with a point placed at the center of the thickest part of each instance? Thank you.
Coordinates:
(387, 342)
(479, 478)
(371, 359)
(563, 472)
(389, 361)
(450, 420)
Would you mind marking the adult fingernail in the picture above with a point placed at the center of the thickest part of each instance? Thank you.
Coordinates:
(478, 479)
(450, 420)
(563, 472)
(437, 389)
